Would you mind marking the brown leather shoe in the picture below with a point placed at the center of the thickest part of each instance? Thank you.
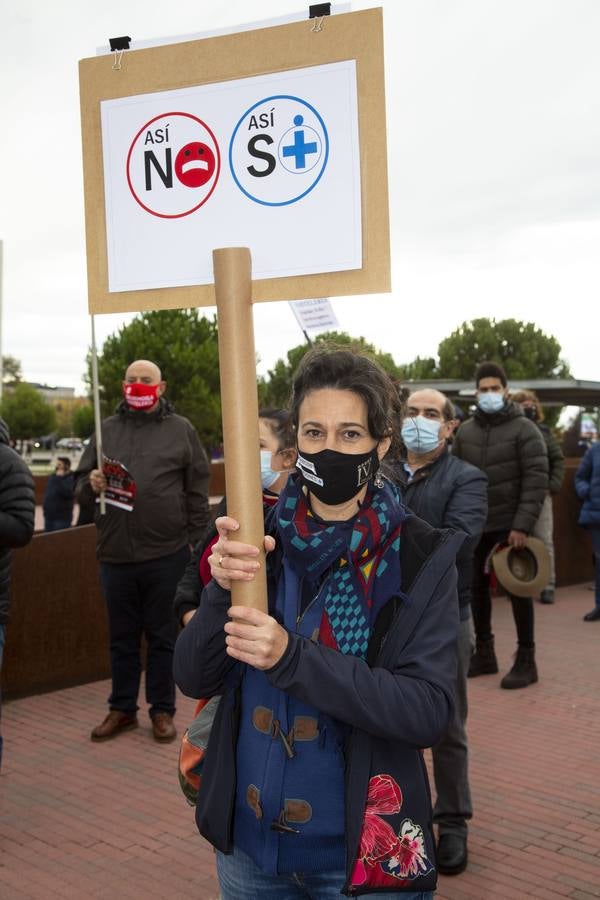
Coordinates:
(163, 728)
(114, 724)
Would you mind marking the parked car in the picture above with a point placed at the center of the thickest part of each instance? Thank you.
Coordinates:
(71, 443)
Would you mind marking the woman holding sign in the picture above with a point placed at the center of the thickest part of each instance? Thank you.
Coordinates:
(314, 781)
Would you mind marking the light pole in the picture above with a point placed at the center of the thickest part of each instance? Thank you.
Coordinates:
(1, 362)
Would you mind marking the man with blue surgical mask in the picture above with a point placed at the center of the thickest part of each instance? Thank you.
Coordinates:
(447, 493)
(510, 449)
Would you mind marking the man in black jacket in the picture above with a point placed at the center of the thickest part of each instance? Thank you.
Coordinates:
(447, 493)
(58, 498)
(511, 451)
(157, 506)
(17, 514)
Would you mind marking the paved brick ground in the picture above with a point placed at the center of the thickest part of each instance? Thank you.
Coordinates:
(83, 820)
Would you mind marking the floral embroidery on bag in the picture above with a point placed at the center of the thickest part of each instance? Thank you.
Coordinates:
(384, 857)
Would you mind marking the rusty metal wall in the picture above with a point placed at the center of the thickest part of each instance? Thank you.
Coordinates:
(40, 483)
(572, 544)
(57, 634)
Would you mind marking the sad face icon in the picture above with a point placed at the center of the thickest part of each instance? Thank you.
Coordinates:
(195, 164)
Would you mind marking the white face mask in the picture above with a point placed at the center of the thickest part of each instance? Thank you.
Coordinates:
(268, 477)
(490, 402)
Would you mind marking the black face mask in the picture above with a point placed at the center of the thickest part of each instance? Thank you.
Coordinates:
(334, 477)
(530, 412)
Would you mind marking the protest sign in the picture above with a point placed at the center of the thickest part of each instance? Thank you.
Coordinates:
(271, 141)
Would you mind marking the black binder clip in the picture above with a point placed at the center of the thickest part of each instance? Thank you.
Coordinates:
(318, 11)
(118, 45)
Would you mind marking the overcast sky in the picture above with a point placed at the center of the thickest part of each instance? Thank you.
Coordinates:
(493, 116)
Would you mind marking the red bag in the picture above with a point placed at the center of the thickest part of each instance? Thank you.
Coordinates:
(193, 748)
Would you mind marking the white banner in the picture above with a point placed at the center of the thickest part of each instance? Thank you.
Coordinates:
(270, 162)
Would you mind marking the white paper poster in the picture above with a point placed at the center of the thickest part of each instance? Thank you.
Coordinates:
(270, 162)
(314, 315)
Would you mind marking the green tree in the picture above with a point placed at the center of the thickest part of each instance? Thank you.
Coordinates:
(275, 389)
(11, 370)
(83, 421)
(26, 412)
(184, 345)
(520, 347)
(418, 369)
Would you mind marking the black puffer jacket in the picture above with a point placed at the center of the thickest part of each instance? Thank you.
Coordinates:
(17, 512)
(512, 452)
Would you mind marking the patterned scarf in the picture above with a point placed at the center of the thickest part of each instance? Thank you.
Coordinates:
(358, 559)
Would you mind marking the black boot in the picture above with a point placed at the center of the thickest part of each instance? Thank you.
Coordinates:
(483, 661)
(593, 616)
(452, 856)
(547, 595)
(524, 670)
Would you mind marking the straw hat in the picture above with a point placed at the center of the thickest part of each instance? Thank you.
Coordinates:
(524, 571)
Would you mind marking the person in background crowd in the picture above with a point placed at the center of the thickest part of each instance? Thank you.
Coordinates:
(458, 418)
(544, 527)
(314, 775)
(587, 485)
(17, 515)
(447, 493)
(277, 460)
(59, 496)
(158, 507)
(511, 451)
(573, 442)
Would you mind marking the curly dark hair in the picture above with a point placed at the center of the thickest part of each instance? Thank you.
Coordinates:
(490, 370)
(346, 370)
(280, 423)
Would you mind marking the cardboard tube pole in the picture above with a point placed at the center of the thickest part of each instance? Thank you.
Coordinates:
(239, 410)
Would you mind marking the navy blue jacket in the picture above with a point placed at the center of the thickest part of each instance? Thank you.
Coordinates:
(59, 496)
(587, 485)
(396, 702)
(449, 493)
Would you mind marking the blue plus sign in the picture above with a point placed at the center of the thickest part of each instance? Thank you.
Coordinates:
(299, 149)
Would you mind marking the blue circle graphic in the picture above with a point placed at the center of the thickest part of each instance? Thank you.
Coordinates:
(298, 120)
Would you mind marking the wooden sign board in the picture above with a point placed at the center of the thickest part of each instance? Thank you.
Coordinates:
(353, 36)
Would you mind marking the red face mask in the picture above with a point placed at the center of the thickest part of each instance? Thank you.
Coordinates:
(140, 396)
